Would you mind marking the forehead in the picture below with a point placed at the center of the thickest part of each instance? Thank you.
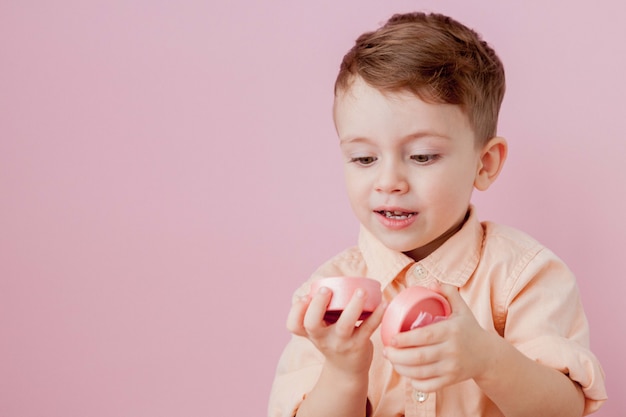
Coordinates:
(362, 111)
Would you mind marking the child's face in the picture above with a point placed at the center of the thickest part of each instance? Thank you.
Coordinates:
(410, 166)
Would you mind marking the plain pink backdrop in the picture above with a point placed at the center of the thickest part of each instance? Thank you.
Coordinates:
(169, 174)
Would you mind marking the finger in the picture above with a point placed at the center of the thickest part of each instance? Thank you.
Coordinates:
(429, 385)
(441, 370)
(350, 316)
(416, 356)
(432, 334)
(371, 323)
(314, 316)
(296, 314)
(457, 304)
(419, 373)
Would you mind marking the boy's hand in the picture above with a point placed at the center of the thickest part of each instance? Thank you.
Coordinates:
(346, 347)
(442, 353)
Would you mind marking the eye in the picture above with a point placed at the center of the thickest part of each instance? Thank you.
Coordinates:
(424, 159)
(363, 160)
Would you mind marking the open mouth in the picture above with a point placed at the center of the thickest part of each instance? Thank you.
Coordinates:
(396, 215)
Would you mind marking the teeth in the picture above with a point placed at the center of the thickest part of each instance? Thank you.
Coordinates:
(399, 215)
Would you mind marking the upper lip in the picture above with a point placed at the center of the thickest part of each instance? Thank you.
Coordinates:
(394, 209)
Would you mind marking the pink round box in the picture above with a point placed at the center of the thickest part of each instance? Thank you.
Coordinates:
(342, 289)
(413, 307)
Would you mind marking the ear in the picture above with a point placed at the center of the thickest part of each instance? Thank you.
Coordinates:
(492, 158)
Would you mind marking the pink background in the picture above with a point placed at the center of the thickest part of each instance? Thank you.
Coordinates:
(169, 174)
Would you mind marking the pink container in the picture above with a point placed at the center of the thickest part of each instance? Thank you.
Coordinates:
(414, 307)
(342, 289)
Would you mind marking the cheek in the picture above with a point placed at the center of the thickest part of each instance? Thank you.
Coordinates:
(355, 186)
(452, 184)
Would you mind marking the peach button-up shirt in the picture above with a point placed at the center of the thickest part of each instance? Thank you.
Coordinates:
(514, 286)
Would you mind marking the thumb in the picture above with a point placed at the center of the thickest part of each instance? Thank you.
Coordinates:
(457, 304)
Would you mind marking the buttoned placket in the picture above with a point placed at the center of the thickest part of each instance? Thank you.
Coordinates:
(418, 275)
(417, 403)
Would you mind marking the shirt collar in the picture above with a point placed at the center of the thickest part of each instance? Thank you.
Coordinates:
(452, 263)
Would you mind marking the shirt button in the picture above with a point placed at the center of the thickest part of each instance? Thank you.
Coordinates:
(420, 396)
(419, 271)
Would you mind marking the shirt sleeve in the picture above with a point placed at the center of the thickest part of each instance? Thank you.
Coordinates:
(300, 364)
(545, 320)
(297, 372)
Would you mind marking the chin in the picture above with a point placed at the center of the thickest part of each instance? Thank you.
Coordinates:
(398, 240)
(400, 246)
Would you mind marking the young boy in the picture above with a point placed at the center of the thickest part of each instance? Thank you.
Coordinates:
(416, 108)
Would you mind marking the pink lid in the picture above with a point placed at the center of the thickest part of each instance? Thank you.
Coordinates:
(414, 307)
(342, 289)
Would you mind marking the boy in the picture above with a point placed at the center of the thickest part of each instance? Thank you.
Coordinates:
(416, 108)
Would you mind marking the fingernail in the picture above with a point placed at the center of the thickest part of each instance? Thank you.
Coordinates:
(359, 293)
(324, 290)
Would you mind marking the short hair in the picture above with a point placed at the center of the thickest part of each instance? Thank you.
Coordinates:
(435, 57)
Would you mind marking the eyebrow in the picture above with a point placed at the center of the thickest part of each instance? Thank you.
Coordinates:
(413, 136)
(353, 139)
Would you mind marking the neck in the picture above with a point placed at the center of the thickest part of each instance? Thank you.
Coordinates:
(420, 253)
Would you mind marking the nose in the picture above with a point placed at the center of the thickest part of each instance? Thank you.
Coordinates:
(391, 179)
